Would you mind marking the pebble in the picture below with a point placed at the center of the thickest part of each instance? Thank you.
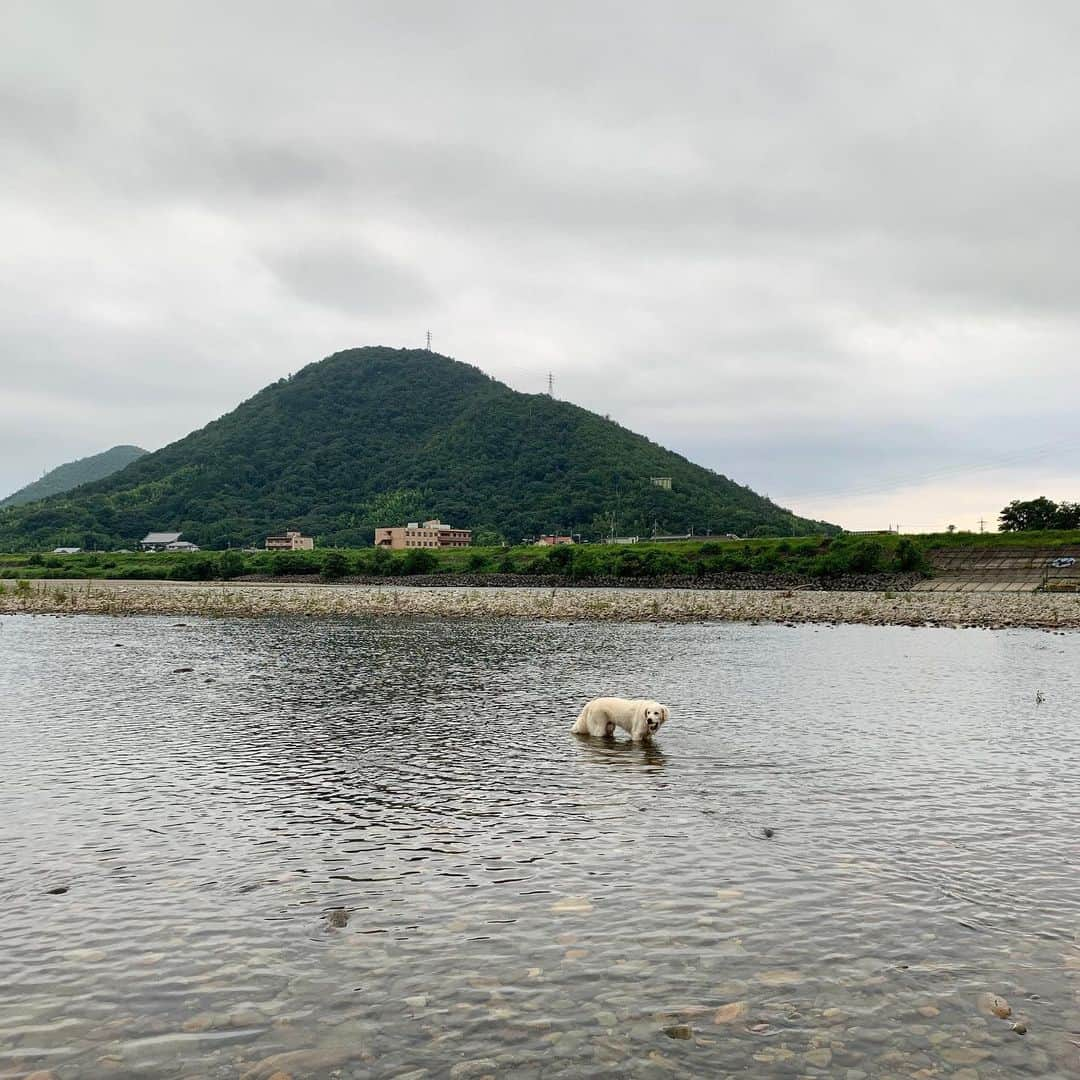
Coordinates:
(572, 905)
(992, 610)
(993, 1005)
(477, 1067)
(679, 1031)
(337, 917)
(1020, 1027)
(730, 1013)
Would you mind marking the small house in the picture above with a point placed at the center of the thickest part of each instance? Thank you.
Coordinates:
(159, 541)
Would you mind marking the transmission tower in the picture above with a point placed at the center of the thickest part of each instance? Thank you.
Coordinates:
(429, 341)
(551, 385)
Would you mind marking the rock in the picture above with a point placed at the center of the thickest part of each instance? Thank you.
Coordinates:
(1020, 1027)
(181, 670)
(300, 1063)
(821, 1058)
(780, 978)
(607, 1019)
(417, 1001)
(337, 917)
(572, 905)
(768, 833)
(59, 890)
(477, 1067)
(928, 1010)
(41, 1074)
(964, 1055)
(730, 1013)
(576, 954)
(679, 1031)
(993, 1005)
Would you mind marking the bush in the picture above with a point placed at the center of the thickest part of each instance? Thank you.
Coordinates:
(477, 561)
(560, 557)
(293, 562)
(335, 566)
(865, 556)
(419, 561)
(908, 556)
(230, 564)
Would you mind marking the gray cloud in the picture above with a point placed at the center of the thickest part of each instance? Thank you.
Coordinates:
(815, 247)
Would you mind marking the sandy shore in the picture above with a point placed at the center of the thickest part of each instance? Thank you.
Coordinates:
(996, 610)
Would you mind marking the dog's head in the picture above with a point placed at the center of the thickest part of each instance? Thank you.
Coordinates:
(653, 716)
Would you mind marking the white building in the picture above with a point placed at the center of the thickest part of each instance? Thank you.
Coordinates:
(166, 541)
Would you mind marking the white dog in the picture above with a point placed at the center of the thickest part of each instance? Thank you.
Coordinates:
(642, 717)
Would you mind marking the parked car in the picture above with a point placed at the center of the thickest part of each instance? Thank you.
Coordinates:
(1062, 561)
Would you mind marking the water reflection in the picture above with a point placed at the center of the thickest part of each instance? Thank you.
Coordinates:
(609, 750)
(509, 907)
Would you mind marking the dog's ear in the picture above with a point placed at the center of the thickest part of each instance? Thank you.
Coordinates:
(663, 714)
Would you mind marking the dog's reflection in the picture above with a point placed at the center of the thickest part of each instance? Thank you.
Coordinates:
(607, 750)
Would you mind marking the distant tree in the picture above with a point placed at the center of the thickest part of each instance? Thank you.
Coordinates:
(1040, 513)
(950, 528)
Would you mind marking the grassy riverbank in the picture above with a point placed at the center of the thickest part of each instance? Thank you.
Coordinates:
(822, 558)
(817, 557)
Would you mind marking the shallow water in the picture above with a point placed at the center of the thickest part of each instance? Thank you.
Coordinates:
(521, 902)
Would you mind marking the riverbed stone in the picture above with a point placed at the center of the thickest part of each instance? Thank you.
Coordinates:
(731, 1012)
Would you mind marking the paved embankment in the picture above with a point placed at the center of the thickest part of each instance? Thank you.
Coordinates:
(997, 610)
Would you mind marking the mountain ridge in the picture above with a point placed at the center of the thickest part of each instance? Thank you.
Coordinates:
(73, 474)
(373, 436)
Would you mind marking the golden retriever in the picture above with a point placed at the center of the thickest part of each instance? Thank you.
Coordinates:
(642, 717)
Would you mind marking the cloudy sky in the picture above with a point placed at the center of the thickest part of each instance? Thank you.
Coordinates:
(828, 249)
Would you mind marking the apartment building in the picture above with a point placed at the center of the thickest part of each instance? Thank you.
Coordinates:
(290, 540)
(427, 534)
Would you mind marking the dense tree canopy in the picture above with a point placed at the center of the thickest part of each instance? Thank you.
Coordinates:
(1040, 513)
(378, 436)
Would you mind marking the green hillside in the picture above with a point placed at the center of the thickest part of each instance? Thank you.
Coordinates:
(84, 471)
(379, 436)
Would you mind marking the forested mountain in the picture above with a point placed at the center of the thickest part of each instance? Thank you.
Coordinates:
(378, 436)
(65, 477)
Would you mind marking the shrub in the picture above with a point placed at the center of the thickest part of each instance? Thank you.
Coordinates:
(293, 562)
(560, 557)
(908, 556)
(230, 564)
(335, 566)
(477, 561)
(865, 556)
(419, 561)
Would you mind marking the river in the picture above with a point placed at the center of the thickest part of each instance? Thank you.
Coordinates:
(371, 848)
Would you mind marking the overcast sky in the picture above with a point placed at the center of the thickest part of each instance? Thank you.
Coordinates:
(829, 249)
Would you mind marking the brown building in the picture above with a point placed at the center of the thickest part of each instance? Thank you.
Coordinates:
(290, 541)
(430, 534)
(551, 541)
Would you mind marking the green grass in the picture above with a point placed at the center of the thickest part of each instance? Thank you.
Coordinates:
(1050, 538)
(818, 556)
(812, 556)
